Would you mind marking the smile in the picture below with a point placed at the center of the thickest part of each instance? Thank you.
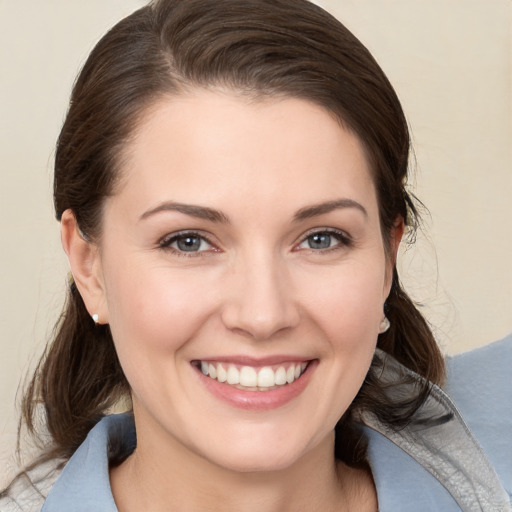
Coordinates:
(255, 385)
(250, 378)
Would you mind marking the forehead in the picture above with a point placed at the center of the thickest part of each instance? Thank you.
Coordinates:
(218, 146)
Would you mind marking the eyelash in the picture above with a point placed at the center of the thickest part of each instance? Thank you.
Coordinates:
(343, 238)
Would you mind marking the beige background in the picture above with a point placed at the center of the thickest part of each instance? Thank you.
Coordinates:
(450, 62)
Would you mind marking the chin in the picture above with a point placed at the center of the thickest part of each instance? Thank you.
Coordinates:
(256, 462)
(257, 455)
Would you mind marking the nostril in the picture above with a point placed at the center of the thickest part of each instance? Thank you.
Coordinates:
(259, 302)
(259, 323)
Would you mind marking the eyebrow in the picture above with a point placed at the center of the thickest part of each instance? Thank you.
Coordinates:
(327, 207)
(212, 215)
(200, 212)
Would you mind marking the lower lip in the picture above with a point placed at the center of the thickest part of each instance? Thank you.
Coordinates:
(258, 400)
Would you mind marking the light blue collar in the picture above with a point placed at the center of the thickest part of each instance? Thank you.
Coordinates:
(84, 485)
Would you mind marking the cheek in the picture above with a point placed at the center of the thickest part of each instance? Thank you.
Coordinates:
(345, 310)
(348, 304)
(155, 313)
(350, 318)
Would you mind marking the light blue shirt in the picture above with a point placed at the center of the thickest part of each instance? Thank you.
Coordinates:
(479, 382)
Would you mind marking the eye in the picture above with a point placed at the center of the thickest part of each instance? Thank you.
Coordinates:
(186, 242)
(324, 240)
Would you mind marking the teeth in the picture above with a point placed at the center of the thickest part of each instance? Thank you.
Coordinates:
(248, 377)
(266, 378)
(222, 375)
(233, 375)
(280, 376)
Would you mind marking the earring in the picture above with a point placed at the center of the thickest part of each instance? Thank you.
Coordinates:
(95, 318)
(385, 324)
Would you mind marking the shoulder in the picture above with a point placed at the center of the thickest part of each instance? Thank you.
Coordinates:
(480, 384)
(84, 483)
(485, 370)
(28, 491)
(455, 453)
(80, 484)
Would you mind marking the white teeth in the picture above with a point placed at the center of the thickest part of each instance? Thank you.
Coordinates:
(266, 377)
(222, 374)
(263, 379)
(280, 376)
(233, 376)
(248, 376)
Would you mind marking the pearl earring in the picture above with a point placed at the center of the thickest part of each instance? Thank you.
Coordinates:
(385, 324)
(95, 318)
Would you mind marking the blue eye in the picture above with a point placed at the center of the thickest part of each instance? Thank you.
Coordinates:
(186, 243)
(323, 240)
(319, 241)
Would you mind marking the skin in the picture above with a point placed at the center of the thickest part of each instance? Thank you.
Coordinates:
(255, 288)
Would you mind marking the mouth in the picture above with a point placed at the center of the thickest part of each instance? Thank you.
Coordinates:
(255, 385)
(253, 378)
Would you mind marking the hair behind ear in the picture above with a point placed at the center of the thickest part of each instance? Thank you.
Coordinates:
(411, 342)
(409, 339)
(78, 379)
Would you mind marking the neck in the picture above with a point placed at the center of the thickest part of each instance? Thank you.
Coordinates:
(159, 477)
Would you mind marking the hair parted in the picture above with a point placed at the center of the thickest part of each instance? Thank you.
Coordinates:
(260, 48)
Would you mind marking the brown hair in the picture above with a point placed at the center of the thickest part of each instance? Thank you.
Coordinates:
(256, 47)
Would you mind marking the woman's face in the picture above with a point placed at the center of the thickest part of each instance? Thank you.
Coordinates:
(244, 243)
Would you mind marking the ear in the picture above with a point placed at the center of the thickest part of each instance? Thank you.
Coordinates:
(395, 237)
(397, 232)
(85, 262)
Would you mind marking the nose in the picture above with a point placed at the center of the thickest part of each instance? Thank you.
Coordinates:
(260, 299)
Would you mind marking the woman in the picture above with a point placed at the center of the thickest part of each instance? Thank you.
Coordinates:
(230, 182)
